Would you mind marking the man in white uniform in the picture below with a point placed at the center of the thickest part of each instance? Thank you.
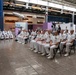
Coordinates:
(69, 42)
(10, 34)
(33, 41)
(5, 33)
(33, 34)
(63, 38)
(53, 44)
(20, 36)
(46, 44)
(1, 35)
(26, 36)
(39, 42)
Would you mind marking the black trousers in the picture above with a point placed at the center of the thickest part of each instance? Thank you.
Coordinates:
(26, 40)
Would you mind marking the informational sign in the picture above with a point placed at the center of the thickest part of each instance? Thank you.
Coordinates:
(68, 25)
(24, 25)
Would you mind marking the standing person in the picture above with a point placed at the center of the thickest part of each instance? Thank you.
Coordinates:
(54, 29)
(59, 29)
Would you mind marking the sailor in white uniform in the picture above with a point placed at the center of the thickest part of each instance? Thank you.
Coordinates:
(10, 34)
(25, 36)
(1, 35)
(33, 41)
(33, 34)
(20, 36)
(46, 43)
(6, 35)
(39, 42)
(69, 42)
(63, 38)
(53, 44)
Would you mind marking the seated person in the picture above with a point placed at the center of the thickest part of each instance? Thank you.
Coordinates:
(69, 42)
(53, 44)
(33, 34)
(33, 41)
(26, 36)
(10, 34)
(6, 35)
(1, 35)
(39, 42)
(46, 43)
(19, 36)
(63, 38)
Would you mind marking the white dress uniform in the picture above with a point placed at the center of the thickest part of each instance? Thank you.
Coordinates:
(68, 44)
(33, 42)
(33, 34)
(25, 37)
(39, 43)
(55, 39)
(10, 34)
(6, 35)
(20, 36)
(1, 35)
(62, 37)
(46, 45)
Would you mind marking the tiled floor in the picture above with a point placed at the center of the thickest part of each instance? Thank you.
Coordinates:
(17, 59)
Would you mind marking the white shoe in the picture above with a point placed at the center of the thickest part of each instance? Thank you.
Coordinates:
(39, 52)
(22, 43)
(43, 54)
(66, 55)
(35, 51)
(32, 49)
(49, 57)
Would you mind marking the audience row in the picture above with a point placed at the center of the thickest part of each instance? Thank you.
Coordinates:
(6, 35)
(45, 42)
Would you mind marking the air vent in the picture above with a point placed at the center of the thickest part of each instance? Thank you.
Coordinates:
(29, 16)
(29, 21)
(40, 17)
(25, 19)
(39, 22)
(11, 21)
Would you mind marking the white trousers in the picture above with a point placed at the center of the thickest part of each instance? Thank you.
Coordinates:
(51, 50)
(45, 48)
(38, 46)
(67, 47)
(32, 44)
(62, 45)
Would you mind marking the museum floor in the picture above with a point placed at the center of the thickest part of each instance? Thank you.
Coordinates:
(17, 59)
